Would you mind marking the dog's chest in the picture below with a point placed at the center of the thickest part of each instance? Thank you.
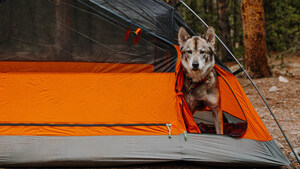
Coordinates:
(195, 98)
(195, 92)
(199, 91)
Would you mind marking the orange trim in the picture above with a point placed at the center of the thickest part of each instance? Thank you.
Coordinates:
(72, 67)
(83, 131)
(127, 35)
(138, 33)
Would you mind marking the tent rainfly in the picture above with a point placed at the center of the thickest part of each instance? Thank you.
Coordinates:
(98, 83)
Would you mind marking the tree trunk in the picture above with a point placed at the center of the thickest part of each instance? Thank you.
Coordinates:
(208, 7)
(256, 61)
(205, 11)
(211, 11)
(63, 33)
(225, 29)
(235, 24)
(37, 18)
(10, 28)
(90, 33)
(6, 27)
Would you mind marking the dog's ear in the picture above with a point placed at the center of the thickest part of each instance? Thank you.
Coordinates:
(183, 36)
(210, 36)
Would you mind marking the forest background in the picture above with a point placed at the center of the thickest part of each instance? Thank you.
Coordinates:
(281, 24)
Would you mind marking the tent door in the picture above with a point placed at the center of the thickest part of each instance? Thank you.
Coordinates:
(232, 126)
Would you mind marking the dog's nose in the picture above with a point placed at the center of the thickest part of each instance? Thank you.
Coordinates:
(195, 65)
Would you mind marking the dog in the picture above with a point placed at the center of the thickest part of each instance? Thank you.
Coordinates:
(200, 82)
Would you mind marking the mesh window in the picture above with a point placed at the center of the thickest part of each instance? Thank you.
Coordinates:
(88, 31)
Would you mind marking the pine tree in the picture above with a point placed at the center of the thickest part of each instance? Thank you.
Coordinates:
(63, 33)
(256, 60)
(224, 26)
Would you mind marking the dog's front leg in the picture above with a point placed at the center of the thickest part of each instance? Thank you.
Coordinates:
(214, 104)
(218, 119)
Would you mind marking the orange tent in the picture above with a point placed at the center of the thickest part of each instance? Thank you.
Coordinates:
(117, 99)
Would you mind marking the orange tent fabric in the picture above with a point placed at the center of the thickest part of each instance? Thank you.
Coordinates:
(87, 99)
(255, 127)
(80, 100)
(186, 113)
(79, 67)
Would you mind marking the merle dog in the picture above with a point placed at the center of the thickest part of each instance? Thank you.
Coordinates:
(200, 82)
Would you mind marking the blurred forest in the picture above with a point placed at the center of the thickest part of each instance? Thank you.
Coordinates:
(279, 20)
(282, 22)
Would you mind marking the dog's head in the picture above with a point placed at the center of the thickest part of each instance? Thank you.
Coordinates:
(197, 53)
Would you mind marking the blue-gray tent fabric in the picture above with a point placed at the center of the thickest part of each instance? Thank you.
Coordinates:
(225, 150)
(96, 33)
(155, 16)
(127, 150)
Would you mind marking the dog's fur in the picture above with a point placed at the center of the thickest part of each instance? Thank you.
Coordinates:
(200, 82)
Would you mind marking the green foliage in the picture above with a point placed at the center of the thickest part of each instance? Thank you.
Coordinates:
(201, 7)
(191, 19)
(235, 21)
(282, 24)
(210, 16)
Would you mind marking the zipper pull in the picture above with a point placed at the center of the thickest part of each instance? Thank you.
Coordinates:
(169, 126)
(185, 135)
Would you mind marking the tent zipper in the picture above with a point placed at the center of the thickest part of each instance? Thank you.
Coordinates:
(80, 125)
(185, 135)
(169, 126)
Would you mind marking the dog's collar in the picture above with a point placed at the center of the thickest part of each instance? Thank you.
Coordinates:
(194, 85)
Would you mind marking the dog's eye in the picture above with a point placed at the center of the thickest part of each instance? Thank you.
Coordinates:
(189, 52)
(201, 52)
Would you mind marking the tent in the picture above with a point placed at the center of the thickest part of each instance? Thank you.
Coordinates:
(98, 83)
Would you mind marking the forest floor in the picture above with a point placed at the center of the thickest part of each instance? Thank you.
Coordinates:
(284, 100)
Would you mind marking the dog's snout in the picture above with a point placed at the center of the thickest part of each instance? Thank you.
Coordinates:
(195, 65)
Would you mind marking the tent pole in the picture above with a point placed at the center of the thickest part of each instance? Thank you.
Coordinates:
(241, 66)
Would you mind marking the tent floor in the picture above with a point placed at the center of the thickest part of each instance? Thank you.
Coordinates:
(128, 150)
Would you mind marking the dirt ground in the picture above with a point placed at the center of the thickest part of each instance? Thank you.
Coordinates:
(284, 101)
(283, 97)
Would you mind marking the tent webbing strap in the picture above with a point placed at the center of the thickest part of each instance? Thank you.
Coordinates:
(237, 71)
(248, 76)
